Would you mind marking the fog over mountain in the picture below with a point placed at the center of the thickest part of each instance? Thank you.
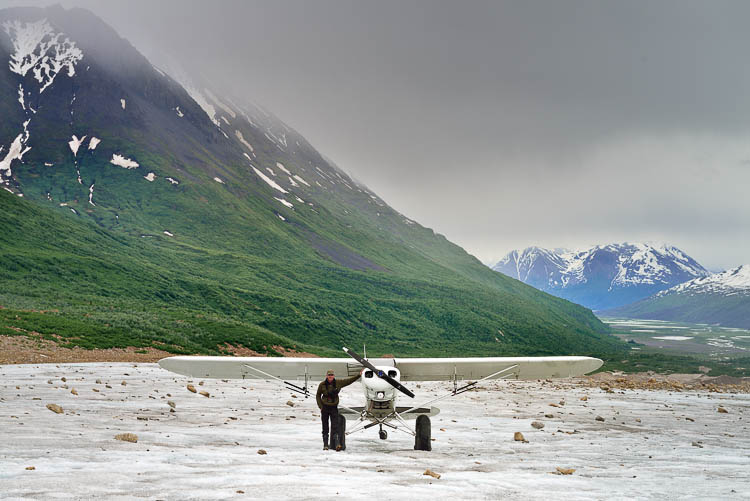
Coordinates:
(499, 124)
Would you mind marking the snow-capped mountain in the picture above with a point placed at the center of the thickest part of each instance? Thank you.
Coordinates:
(721, 298)
(728, 283)
(603, 276)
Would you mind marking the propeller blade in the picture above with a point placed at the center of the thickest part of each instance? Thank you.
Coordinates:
(381, 374)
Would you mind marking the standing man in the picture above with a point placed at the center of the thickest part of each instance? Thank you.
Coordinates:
(328, 401)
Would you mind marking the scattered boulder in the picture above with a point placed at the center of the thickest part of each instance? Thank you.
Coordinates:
(98, 381)
(191, 388)
(431, 473)
(549, 416)
(554, 405)
(290, 403)
(518, 437)
(599, 418)
(584, 398)
(565, 471)
(31, 467)
(697, 444)
(537, 424)
(74, 392)
(124, 383)
(171, 404)
(127, 437)
(205, 394)
(722, 410)
(55, 408)
(262, 452)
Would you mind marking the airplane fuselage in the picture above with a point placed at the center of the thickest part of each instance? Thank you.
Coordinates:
(380, 396)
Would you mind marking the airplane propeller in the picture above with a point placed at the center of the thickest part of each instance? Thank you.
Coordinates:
(380, 373)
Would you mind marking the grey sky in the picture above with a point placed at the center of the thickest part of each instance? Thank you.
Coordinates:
(499, 124)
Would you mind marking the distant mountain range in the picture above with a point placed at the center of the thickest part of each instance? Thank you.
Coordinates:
(603, 276)
(722, 298)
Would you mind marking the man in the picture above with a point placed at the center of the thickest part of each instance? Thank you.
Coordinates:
(328, 401)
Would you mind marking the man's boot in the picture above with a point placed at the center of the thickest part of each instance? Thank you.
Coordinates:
(325, 442)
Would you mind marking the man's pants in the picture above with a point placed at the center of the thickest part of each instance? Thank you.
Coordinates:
(332, 412)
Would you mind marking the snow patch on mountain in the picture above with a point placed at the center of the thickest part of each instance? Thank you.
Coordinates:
(219, 180)
(39, 49)
(298, 178)
(123, 162)
(75, 143)
(122, 103)
(15, 152)
(221, 105)
(281, 166)
(242, 140)
(288, 204)
(150, 176)
(269, 181)
(94, 142)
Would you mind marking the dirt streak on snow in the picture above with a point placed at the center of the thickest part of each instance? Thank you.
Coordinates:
(207, 448)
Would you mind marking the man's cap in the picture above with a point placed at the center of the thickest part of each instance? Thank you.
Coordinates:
(330, 372)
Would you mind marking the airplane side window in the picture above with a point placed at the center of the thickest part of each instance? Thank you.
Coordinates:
(368, 374)
(392, 373)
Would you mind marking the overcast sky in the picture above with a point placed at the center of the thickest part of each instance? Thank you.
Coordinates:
(499, 124)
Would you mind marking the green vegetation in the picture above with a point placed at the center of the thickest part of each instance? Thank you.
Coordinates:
(102, 288)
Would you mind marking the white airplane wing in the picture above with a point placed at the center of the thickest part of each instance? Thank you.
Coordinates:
(260, 367)
(442, 369)
(412, 369)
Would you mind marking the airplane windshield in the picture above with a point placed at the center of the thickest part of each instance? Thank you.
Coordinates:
(392, 373)
(368, 374)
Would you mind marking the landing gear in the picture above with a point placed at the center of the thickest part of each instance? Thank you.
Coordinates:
(382, 433)
(422, 440)
(339, 438)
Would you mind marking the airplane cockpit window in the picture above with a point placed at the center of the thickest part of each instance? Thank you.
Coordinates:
(368, 374)
(392, 373)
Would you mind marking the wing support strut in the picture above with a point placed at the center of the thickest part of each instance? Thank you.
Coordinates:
(464, 388)
(290, 386)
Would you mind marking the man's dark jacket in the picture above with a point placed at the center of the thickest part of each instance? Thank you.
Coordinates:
(328, 393)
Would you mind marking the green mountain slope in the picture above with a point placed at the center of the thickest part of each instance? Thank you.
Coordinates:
(231, 229)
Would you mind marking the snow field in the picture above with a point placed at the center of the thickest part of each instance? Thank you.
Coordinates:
(208, 448)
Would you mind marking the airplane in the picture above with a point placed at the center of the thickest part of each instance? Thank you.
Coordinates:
(381, 381)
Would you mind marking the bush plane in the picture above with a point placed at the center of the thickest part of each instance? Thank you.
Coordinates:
(381, 381)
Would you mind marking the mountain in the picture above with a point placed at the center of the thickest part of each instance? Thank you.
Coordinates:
(603, 276)
(721, 298)
(144, 210)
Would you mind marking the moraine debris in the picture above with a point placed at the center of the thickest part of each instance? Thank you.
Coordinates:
(127, 437)
(563, 471)
(191, 388)
(431, 473)
(537, 424)
(55, 408)
(518, 437)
